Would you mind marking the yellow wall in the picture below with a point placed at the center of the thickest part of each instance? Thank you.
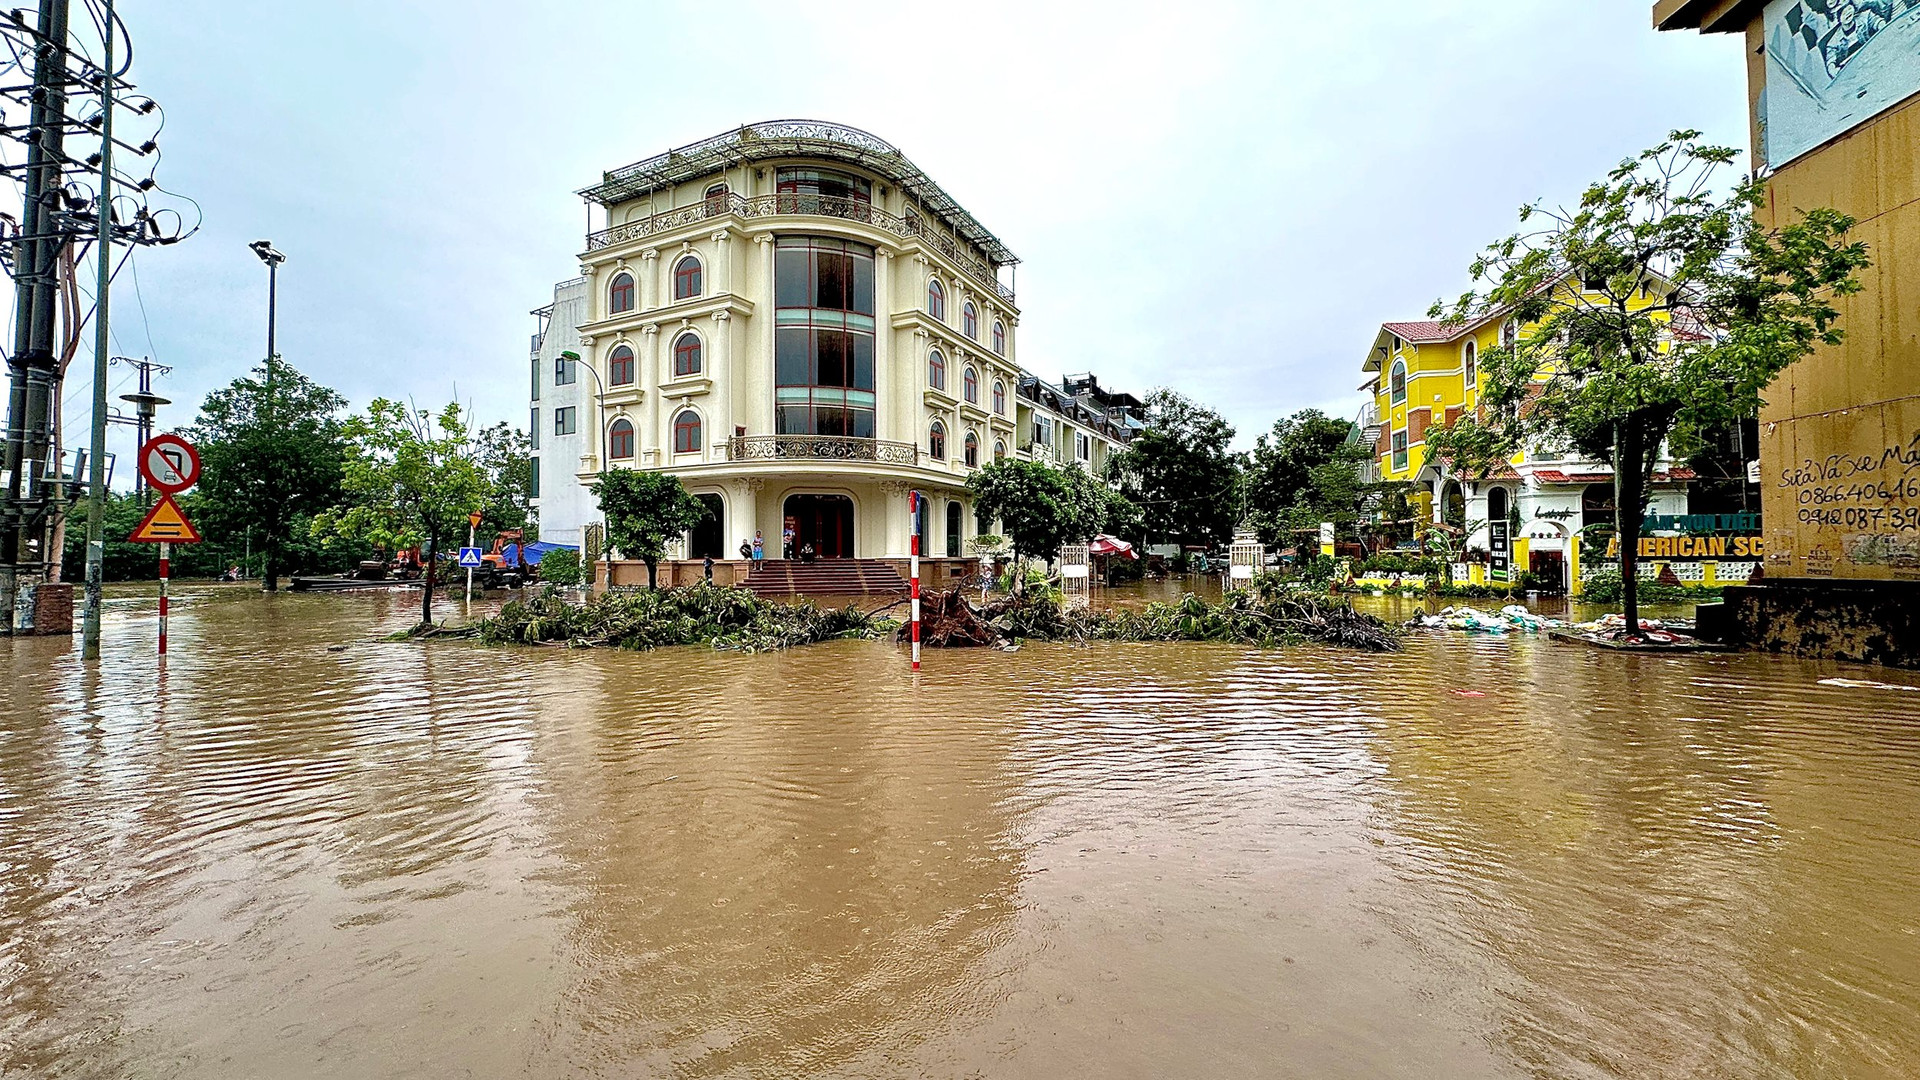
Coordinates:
(1840, 431)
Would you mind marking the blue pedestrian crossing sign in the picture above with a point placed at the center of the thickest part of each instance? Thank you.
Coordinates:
(470, 557)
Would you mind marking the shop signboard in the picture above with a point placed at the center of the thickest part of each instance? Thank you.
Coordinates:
(1500, 550)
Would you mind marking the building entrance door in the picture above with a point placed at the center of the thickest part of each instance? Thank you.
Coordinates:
(709, 537)
(825, 521)
(1550, 569)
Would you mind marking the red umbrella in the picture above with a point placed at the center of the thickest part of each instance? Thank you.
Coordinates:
(1111, 545)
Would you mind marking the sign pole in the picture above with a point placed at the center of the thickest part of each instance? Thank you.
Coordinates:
(470, 543)
(913, 511)
(166, 554)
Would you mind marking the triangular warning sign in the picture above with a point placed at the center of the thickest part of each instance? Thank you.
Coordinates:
(165, 524)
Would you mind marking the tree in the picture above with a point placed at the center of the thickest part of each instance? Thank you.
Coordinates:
(644, 510)
(411, 480)
(269, 458)
(1655, 310)
(1038, 506)
(1303, 472)
(506, 453)
(1179, 472)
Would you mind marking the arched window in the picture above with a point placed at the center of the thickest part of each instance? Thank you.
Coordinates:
(686, 354)
(937, 441)
(1500, 504)
(1000, 338)
(686, 278)
(936, 299)
(620, 294)
(999, 398)
(1468, 360)
(999, 449)
(1399, 381)
(970, 385)
(716, 198)
(620, 366)
(620, 440)
(970, 321)
(936, 370)
(1509, 334)
(972, 450)
(686, 432)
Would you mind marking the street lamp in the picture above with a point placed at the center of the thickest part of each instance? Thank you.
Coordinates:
(273, 259)
(269, 582)
(600, 406)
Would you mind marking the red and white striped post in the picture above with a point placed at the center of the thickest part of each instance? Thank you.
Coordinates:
(913, 514)
(166, 558)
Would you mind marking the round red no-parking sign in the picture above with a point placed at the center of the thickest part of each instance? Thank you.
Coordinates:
(170, 464)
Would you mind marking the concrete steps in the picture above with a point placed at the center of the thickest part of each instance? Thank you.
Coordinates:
(774, 578)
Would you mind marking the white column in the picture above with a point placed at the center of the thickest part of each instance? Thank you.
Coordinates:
(758, 415)
(721, 408)
(885, 378)
(722, 261)
(649, 362)
(649, 276)
(1439, 497)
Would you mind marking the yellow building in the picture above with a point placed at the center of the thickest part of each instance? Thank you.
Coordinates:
(1834, 90)
(1522, 517)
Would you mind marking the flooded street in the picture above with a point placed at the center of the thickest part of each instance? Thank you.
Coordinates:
(1484, 857)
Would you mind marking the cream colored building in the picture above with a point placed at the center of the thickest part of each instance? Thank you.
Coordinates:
(802, 326)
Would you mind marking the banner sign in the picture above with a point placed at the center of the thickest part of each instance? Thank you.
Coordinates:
(1832, 65)
(1693, 547)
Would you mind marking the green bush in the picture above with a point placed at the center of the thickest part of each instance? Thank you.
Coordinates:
(560, 567)
(1605, 587)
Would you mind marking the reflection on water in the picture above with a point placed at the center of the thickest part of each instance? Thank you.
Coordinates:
(272, 859)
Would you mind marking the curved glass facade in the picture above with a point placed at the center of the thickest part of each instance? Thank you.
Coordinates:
(823, 337)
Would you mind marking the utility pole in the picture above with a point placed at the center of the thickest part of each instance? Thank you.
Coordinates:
(145, 404)
(97, 458)
(31, 506)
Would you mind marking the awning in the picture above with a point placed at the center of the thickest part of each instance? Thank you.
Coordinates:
(1111, 545)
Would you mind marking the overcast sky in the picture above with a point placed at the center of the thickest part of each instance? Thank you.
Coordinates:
(1222, 198)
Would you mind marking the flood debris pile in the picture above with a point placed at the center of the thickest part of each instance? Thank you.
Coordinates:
(949, 620)
(693, 615)
(1516, 619)
(1512, 618)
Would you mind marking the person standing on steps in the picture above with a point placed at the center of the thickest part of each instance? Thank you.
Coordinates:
(759, 547)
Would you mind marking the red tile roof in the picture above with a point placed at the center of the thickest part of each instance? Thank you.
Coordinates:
(1426, 332)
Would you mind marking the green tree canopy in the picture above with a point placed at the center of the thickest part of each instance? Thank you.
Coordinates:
(1038, 506)
(272, 451)
(506, 453)
(1655, 309)
(1303, 472)
(411, 480)
(1180, 474)
(644, 510)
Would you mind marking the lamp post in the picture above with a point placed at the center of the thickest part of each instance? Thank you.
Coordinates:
(270, 578)
(600, 406)
(273, 259)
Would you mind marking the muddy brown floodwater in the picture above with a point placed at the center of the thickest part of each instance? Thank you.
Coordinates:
(273, 860)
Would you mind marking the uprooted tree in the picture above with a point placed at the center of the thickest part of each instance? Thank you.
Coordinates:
(1655, 310)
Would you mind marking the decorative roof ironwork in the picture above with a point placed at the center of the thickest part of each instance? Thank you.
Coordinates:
(796, 138)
